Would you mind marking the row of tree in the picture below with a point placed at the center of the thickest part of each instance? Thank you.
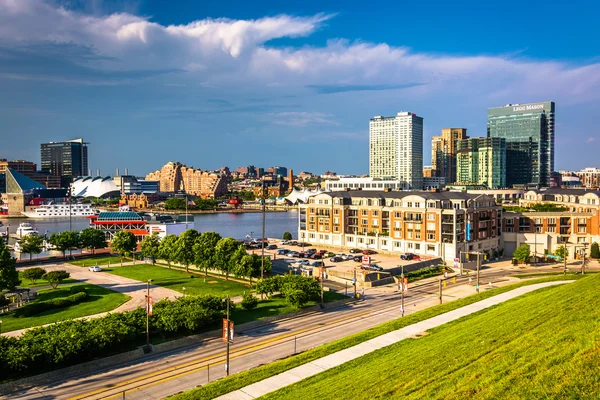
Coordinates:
(89, 238)
(195, 204)
(523, 252)
(205, 251)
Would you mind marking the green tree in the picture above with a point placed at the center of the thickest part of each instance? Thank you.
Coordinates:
(287, 236)
(177, 204)
(31, 244)
(123, 243)
(167, 248)
(33, 274)
(249, 302)
(225, 255)
(92, 239)
(150, 247)
(9, 276)
(561, 251)
(64, 241)
(55, 278)
(522, 253)
(208, 204)
(184, 248)
(242, 262)
(595, 250)
(204, 250)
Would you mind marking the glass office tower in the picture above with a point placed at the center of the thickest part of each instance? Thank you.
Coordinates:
(529, 133)
(67, 160)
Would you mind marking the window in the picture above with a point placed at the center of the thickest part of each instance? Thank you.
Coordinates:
(551, 221)
(312, 210)
(361, 240)
(375, 222)
(336, 228)
(581, 229)
(311, 227)
(430, 216)
(431, 236)
(409, 235)
(538, 229)
(311, 219)
(336, 212)
(430, 247)
(363, 221)
(396, 244)
(384, 242)
(410, 204)
(417, 246)
(417, 235)
(551, 229)
(417, 204)
(336, 220)
(431, 226)
(364, 213)
(396, 215)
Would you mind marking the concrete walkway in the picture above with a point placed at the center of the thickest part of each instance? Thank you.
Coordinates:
(315, 367)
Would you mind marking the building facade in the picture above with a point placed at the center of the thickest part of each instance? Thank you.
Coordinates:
(529, 133)
(437, 224)
(396, 149)
(174, 177)
(66, 160)
(443, 153)
(589, 177)
(481, 161)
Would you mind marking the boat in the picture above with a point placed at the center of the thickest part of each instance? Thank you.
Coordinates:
(61, 211)
(17, 247)
(48, 246)
(25, 229)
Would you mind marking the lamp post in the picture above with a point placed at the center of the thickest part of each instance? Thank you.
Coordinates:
(148, 314)
(402, 290)
(183, 292)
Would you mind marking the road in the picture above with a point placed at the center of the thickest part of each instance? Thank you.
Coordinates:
(160, 375)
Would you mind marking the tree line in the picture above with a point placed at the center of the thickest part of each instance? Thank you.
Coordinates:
(89, 238)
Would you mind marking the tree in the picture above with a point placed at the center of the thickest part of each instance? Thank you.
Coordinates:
(9, 277)
(123, 243)
(92, 239)
(150, 247)
(166, 249)
(249, 302)
(522, 253)
(224, 255)
(287, 236)
(595, 250)
(64, 241)
(55, 278)
(184, 248)
(31, 244)
(33, 274)
(561, 251)
(204, 250)
(242, 262)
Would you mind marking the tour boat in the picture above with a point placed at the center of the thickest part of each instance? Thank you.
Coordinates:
(61, 211)
(25, 229)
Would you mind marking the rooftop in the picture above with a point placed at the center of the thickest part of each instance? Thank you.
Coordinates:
(119, 216)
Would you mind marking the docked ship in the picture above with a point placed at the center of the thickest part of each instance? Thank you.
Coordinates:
(61, 211)
(25, 229)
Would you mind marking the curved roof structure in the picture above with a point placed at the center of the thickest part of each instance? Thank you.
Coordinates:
(87, 186)
(301, 196)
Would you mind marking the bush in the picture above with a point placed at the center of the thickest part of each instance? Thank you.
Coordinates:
(424, 273)
(54, 278)
(290, 286)
(249, 302)
(33, 274)
(38, 307)
(287, 236)
(77, 289)
(595, 250)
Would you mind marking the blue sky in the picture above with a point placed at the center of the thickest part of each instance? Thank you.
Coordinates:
(285, 83)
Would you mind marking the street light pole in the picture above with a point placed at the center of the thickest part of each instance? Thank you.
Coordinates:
(402, 290)
(478, 267)
(322, 279)
(228, 327)
(148, 314)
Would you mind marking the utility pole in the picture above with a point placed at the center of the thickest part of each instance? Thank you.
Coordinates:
(322, 279)
(565, 260)
(440, 294)
(228, 333)
(402, 290)
(186, 211)
(478, 267)
(148, 315)
(355, 283)
(262, 258)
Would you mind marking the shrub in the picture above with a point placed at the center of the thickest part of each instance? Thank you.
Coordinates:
(595, 250)
(33, 274)
(287, 236)
(77, 289)
(54, 278)
(424, 273)
(38, 307)
(249, 302)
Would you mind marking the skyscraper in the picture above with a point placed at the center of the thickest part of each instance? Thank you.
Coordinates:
(529, 133)
(481, 161)
(443, 152)
(396, 149)
(65, 159)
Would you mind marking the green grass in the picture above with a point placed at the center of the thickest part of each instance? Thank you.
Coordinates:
(88, 262)
(99, 300)
(176, 280)
(245, 378)
(26, 283)
(540, 345)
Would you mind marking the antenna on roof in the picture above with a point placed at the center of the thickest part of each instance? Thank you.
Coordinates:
(117, 172)
(98, 172)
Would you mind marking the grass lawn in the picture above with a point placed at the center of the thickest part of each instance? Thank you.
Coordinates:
(540, 345)
(99, 300)
(237, 381)
(26, 283)
(88, 262)
(177, 280)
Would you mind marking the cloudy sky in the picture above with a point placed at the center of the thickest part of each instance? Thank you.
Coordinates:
(290, 83)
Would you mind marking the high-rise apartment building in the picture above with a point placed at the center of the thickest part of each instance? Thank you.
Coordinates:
(481, 161)
(396, 149)
(590, 177)
(529, 133)
(66, 160)
(175, 177)
(443, 153)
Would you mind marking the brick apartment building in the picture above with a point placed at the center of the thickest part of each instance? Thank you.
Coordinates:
(174, 177)
(438, 224)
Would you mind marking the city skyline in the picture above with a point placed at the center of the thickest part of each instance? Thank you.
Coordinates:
(275, 84)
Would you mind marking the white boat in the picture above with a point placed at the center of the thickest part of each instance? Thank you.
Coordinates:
(25, 229)
(61, 211)
(48, 246)
(17, 247)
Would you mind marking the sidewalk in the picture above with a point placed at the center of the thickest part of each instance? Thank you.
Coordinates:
(309, 369)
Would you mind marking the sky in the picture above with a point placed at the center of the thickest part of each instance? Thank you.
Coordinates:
(289, 83)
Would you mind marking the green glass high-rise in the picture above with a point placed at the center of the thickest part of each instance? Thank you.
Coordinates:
(481, 161)
(529, 133)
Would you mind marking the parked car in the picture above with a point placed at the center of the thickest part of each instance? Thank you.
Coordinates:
(272, 247)
(293, 254)
(372, 267)
(355, 251)
(95, 268)
(369, 252)
(282, 252)
(317, 264)
(357, 258)
(301, 254)
(316, 256)
(304, 244)
(321, 252)
(293, 243)
(329, 254)
(284, 242)
(311, 251)
(302, 262)
(407, 256)
(336, 259)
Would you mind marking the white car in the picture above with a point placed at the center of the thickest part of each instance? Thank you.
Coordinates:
(95, 268)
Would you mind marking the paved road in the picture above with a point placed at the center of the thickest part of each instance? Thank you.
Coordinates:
(135, 289)
(160, 375)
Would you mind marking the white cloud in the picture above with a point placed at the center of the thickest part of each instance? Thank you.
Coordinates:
(296, 118)
(591, 139)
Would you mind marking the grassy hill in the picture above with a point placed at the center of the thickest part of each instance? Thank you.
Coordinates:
(542, 345)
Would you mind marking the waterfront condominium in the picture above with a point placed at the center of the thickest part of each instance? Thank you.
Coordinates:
(529, 133)
(443, 153)
(396, 149)
(481, 161)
